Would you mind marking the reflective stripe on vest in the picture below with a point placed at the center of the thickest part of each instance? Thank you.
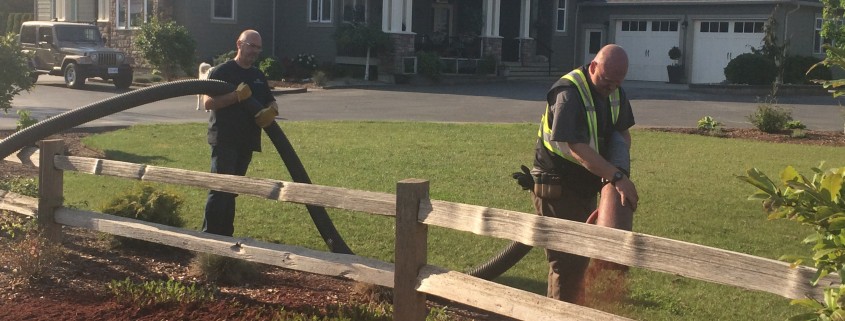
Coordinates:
(580, 81)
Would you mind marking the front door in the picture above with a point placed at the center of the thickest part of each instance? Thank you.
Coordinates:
(593, 41)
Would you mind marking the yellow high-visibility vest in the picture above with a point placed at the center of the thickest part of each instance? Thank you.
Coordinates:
(579, 81)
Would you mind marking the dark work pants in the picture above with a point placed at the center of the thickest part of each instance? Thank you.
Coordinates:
(566, 271)
(220, 206)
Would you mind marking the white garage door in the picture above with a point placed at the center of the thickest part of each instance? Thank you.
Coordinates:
(715, 43)
(647, 43)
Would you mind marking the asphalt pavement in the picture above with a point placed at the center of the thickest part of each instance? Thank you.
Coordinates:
(655, 104)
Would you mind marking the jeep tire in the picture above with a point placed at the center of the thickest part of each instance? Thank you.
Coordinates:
(123, 81)
(72, 77)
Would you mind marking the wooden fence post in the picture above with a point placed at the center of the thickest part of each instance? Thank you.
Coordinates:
(50, 188)
(410, 252)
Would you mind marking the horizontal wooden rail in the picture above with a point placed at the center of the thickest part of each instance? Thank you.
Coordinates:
(632, 249)
(18, 203)
(326, 196)
(502, 299)
(289, 257)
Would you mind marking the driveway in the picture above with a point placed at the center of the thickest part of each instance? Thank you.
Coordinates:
(655, 105)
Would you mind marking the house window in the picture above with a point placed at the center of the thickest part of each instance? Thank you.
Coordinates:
(354, 10)
(320, 11)
(748, 27)
(634, 25)
(103, 10)
(561, 15)
(131, 14)
(223, 9)
(664, 25)
(818, 41)
(714, 26)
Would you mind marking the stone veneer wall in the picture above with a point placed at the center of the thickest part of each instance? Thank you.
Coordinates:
(122, 38)
(492, 46)
(527, 50)
(403, 46)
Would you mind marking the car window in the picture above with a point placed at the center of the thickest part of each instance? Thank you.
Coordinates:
(45, 34)
(28, 34)
(78, 34)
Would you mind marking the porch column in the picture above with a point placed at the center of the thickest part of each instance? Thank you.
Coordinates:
(527, 47)
(396, 14)
(491, 41)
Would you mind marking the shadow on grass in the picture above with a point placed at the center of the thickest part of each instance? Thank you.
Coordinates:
(133, 158)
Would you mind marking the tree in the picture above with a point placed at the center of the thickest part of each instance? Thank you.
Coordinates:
(833, 32)
(770, 47)
(362, 36)
(167, 46)
(15, 74)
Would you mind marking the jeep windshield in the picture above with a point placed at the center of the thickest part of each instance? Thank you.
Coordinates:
(78, 34)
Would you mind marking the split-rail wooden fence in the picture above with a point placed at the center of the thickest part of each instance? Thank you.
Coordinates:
(410, 277)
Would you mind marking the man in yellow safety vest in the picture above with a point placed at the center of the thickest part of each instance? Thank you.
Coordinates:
(585, 110)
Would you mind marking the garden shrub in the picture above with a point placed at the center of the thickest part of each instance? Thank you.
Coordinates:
(167, 46)
(429, 65)
(487, 65)
(769, 117)
(14, 77)
(709, 125)
(271, 68)
(144, 202)
(751, 69)
(795, 70)
(224, 57)
(224, 270)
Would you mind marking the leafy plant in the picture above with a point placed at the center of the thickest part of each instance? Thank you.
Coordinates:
(271, 68)
(320, 78)
(145, 203)
(24, 119)
(20, 185)
(224, 269)
(167, 46)
(675, 54)
(150, 293)
(15, 76)
(429, 65)
(751, 69)
(819, 203)
(769, 117)
(26, 253)
(226, 56)
(709, 125)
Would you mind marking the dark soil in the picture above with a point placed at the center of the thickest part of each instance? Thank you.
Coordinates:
(74, 288)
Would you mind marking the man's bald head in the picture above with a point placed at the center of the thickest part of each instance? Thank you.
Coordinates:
(608, 69)
(249, 46)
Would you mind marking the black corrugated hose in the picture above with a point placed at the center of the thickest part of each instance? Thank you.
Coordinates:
(70, 119)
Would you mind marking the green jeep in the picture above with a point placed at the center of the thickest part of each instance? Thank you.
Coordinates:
(75, 51)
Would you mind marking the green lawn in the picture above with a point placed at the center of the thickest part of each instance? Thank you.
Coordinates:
(686, 184)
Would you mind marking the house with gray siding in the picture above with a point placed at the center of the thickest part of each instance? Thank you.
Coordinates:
(559, 33)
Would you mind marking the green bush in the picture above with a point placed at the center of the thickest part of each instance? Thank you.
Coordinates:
(770, 118)
(429, 65)
(146, 203)
(224, 269)
(24, 120)
(14, 77)
(271, 68)
(795, 124)
(167, 46)
(795, 70)
(709, 125)
(20, 185)
(320, 78)
(751, 69)
(487, 65)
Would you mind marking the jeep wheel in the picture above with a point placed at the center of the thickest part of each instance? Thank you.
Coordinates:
(72, 77)
(123, 81)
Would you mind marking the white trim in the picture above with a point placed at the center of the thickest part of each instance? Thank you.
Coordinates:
(558, 12)
(119, 21)
(319, 12)
(355, 3)
(103, 12)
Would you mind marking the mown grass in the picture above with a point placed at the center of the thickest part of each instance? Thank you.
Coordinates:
(686, 183)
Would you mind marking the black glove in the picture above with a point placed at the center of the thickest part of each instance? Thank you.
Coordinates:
(524, 179)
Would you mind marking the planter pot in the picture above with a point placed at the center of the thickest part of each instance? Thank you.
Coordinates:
(676, 73)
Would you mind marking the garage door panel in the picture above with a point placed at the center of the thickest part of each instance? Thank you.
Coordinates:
(647, 43)
(713, 48)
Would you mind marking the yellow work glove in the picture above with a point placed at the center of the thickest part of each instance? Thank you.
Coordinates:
(267, 116)
(243, 92)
